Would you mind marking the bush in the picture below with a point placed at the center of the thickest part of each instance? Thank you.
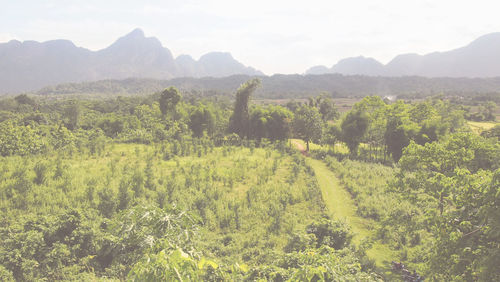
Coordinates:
(331, 233)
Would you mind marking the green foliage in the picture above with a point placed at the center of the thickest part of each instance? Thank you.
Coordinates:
(273, 122)
(228, 205)
(454, 182)
(330, 233)
(176, 266)
(169, 99)
(240, 119)
(354, 128)
(19, 140)
(72, 115)
(41, 172)
(492, 133)
(202, 120)
(152, 188)
(307, 124)
(50, 247)
(24, 99)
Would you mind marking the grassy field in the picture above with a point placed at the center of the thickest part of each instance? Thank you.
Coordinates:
(252, 206)
(479, 127)
(341, 206)
(217, 184)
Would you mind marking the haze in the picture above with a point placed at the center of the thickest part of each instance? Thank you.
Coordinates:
(272, 36)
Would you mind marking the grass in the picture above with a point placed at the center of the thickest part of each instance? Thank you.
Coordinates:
(480, 126)
(341, 206)
(219, 180)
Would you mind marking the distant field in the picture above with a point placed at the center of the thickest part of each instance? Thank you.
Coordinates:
(343, 104)
(479, 127)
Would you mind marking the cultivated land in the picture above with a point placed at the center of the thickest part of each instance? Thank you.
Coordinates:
(341, 206)
(163, 187)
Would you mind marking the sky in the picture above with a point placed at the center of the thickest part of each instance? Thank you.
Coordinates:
(273, 36)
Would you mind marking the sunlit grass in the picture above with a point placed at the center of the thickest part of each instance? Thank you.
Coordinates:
(480, 126)
(341, 206)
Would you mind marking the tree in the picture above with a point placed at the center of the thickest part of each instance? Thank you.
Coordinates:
(308, 124)
(492, 133)
(399, 130)
(239, 122)
(459, 180)
(354, 128)
(169, 99)
(258, 124)
(333, 134)
(279, 123)
(376, 110)
(490, 108)
(327, 109)
(202, 120)
(24, 99)
(72, 115)
(397, 136)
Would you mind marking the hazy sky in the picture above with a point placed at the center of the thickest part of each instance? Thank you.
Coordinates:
(272, 36)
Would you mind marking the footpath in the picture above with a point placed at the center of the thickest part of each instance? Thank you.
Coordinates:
(341, 206)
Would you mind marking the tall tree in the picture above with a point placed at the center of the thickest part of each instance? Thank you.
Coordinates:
(239, 122)
(333, 134)
(258, 123)
(279, 123)
(72, 115)
(400, 129)
(202, 120)
(169, 98)
(327, 108)
(308, 124)
(376, 109)
(354, 127)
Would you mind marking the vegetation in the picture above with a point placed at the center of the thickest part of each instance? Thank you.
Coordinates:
(467, 91)
(173, 187)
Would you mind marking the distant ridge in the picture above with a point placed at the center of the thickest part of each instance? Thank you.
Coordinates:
(30, 65)
(290, 86)
(481, 58)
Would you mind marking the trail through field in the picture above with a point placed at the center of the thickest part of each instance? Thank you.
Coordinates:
(298, 144)
(341, 206)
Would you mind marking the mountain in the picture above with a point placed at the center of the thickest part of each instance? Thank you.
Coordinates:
(351, 66)
(134, 55)
(359, 65)
(30, 65)
(481, 58)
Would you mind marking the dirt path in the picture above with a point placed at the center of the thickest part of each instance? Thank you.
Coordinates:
(299, 146)
(341, 206)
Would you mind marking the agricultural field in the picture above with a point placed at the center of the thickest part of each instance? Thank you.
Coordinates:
(248, 206)
(164, 188)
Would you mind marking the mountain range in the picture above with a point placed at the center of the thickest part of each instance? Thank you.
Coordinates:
(481, 58)
(30, 65)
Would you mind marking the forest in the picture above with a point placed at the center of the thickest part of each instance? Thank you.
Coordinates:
(171, 186)
(279, 86)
